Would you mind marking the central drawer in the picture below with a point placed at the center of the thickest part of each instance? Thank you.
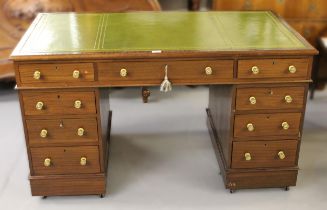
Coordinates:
(153, 72)
(51, 103)
(61, 131)
(274, 124)
(263, 154)
(65, 160)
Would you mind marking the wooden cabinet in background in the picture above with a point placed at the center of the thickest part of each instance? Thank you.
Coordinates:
(308, 17)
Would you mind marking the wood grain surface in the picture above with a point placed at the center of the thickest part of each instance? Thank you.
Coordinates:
(65, 160)
(267, 124)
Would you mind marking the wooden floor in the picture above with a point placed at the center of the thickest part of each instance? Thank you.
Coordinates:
(162, 158)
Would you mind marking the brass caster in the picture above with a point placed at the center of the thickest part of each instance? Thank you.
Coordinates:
(231, 191)
(145, 94)
(101, 195)
(44, 197)
(287, 188)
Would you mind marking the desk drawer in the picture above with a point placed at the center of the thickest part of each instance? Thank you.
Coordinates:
(51, 103)
(62, 131)
(270, 98)
(65, 160)
(262, 154)
(273, 68)
(277, 124)
(152, 72)
(49, 73)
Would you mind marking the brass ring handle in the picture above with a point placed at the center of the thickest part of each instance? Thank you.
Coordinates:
(76, 74)
(288, 99)
(255, 70)
(281, 155)
(83, 161)
(123, 72)
(292, 69)
(37, 75)
(44, 133)
(39, 105)
(285, 125)
(47, 162)
(250, 127)
(247, 156)
(208, 70)
(78, 104)
(80, 131)
(253, 100)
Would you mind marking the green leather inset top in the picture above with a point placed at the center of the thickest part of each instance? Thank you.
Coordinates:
(149, 31)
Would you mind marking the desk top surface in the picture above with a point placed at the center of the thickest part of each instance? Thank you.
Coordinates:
(52, 35)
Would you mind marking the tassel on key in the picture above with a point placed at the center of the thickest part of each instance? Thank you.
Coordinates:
(166, 84)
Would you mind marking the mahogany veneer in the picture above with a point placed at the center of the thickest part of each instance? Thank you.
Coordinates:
(258, 87)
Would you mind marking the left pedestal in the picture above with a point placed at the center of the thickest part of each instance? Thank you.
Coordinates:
(67, 135)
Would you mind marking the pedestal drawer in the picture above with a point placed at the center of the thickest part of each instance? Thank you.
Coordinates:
(62, 131)
(56, 73)
(274, 68)
(153, 72)
(262, 154)
(270, 98)
(65, 160)
(276, 124)
(50, 103)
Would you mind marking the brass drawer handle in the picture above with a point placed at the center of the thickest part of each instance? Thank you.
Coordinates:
(208, 70)
(83, 161)
(76, 74)
(292, 69)
(281, 155)
(250, 127)
(123, 72)
(78, 104)
(44, 133)
(37, 75)
(253, 100)
(80, 131)
(39, 105)
(247, 156)
(285, 125)
(288, 99)
(255, 70)
(47, 162)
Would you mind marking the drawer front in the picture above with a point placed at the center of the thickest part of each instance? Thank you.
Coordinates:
(277, 124)
(49, 73)
(65, 160)
(273, 68)
(151, 72)
(69, 131)
(262, 154)
(51, 103)
(270, 98)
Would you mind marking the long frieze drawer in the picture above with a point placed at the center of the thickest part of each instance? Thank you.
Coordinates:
(273, 68)
(264, 154)
(154, 71)
(64, 131)
(65, 160)
(270, 98)
(277, 124)
(50, 103)
(49, 73)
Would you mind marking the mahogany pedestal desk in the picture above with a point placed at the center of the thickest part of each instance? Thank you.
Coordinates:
(258, 69)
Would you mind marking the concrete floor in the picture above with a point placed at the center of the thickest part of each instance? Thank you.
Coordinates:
(161, 158)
